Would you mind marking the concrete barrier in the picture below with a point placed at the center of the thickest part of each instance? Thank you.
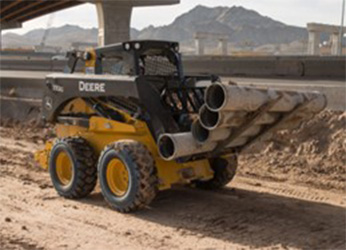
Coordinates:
(259, 66)
(333, 67)
(269, 66)
(23, 84)
(19, 110)
(244, 66)
(21, 96)
(28, 55)
(32, 65)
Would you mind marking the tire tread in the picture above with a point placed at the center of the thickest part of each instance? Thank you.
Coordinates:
(222, 174)
(86, 170)
(145, 169)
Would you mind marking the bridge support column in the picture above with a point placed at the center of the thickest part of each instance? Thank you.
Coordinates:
(314, 42)
(335, 40)
(223, 44)
(200, 44)
(114, 22)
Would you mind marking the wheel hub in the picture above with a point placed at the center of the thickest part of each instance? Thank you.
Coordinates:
(117, 177)
(64, 169)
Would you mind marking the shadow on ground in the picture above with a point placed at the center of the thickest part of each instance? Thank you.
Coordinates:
(247, 218)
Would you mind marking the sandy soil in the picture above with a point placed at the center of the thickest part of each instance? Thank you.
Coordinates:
(314, 154)
(269, 206)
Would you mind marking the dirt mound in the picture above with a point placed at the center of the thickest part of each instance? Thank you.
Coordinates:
(314, 154)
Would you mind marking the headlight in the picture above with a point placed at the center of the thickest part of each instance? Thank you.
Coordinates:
(127, 46)
(176, 48)
(137, 46)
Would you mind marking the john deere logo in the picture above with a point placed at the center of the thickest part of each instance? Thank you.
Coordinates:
(92, 87)
(48, 103)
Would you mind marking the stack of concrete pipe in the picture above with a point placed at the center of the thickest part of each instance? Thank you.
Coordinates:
(225, 111)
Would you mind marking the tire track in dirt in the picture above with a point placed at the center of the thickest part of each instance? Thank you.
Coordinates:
(291, 190)
(10, 242)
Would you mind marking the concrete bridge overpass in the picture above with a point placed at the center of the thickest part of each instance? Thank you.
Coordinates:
(114, 16)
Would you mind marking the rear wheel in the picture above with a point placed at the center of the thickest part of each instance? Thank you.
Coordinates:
(72, 167)
(224, 171)
(127, 175)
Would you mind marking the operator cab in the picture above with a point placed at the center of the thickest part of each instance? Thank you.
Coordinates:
(134, 58)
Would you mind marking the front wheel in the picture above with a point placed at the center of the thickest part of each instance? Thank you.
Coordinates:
(224, 172)
(127, 175)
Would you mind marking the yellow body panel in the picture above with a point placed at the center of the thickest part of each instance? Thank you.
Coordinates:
(102, 132)
(42, 156)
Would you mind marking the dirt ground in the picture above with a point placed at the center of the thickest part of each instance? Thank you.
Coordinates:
(314, 154)
(289, 195)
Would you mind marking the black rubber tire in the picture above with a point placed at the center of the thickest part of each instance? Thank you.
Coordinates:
(84, 167)
(224, 171)
(143, 181)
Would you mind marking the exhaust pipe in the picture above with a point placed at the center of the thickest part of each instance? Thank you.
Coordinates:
(222, 97)
(203, 135)
(173, 146)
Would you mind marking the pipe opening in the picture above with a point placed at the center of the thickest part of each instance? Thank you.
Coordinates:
(166, 146)
(209, 119)
(215, 97)
(200, 133)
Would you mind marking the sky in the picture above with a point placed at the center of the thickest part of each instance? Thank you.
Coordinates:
(292, 12)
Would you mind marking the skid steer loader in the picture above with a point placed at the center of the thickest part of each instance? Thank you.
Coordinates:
(134, 121)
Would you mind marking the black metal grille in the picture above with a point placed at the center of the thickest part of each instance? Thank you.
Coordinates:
(158, 66)
(184, 100)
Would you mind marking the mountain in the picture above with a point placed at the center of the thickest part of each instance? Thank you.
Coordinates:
(62, 36)
(241, 25)
(245, 28)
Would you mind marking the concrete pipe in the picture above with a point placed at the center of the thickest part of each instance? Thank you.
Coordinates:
(203, 135)
(254, 130)
(222, 119)
(173, 146)
(212, 119)
(267, 118)
(288, 101)
(222, 97)
(318, 103)
(237, 142)
(244, 137)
